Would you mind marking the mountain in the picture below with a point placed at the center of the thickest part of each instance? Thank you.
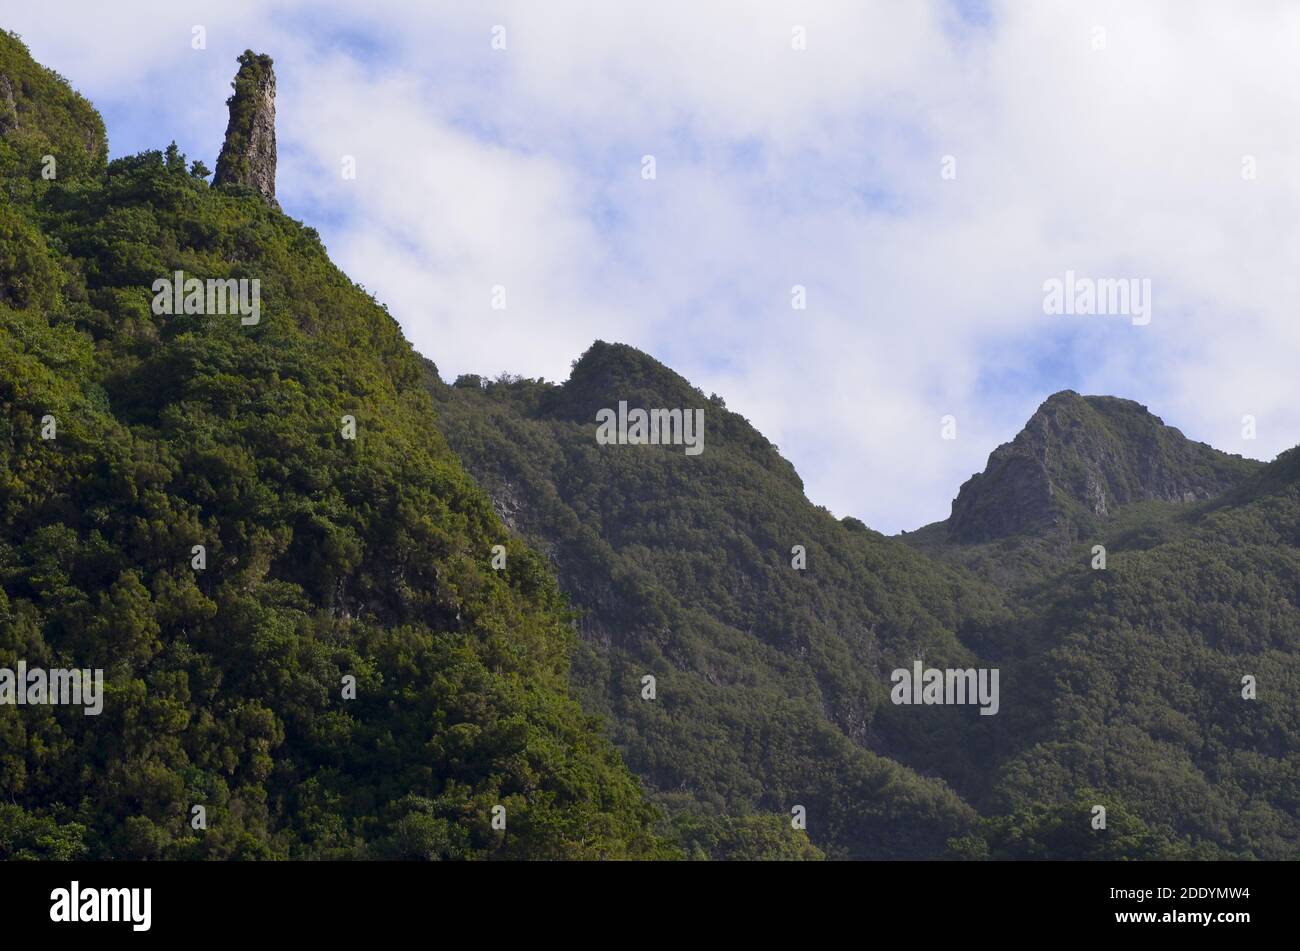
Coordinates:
(249, 521)
(41, 115)
(1077, 460)
(1082, 467)
(1168, 680)
(773, 680)
(345, 610)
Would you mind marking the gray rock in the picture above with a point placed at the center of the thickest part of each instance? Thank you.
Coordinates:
(1079, 459)
(248, 155)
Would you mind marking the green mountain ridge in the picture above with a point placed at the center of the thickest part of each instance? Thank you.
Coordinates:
(682, 568)
(128, 438)
(499, 584)
(766, 717)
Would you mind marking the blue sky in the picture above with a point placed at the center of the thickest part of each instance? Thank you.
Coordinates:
(1105, 138)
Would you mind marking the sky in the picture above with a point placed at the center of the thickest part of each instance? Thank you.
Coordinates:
(921, 170)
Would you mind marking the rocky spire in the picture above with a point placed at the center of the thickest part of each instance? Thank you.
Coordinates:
(248, 155)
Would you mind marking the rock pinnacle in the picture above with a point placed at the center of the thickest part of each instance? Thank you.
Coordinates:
(248, 155)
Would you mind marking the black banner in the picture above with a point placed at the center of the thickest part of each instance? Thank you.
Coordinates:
(143, 901)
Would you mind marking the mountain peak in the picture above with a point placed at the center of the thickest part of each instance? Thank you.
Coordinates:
(1062, 398)
(1077, 460)
(248, 155)
(609, 372)
(42, 119)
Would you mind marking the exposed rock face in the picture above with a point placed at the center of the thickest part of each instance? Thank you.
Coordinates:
(8, 107)
(1077, 460)
(248, 155)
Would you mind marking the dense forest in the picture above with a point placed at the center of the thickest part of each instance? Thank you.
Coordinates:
(324, 557)
(1121, 687)
(346, 609)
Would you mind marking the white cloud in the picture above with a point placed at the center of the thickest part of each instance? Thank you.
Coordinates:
(775, 167)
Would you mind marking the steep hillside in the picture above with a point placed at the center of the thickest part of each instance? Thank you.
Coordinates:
(1169, 681)
(773, 681)
(41, 115)
(322, 583)
(254, 527)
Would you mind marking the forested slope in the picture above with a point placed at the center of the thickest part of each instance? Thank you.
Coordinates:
(324, 557)
(1120, 687)
(321, 583)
